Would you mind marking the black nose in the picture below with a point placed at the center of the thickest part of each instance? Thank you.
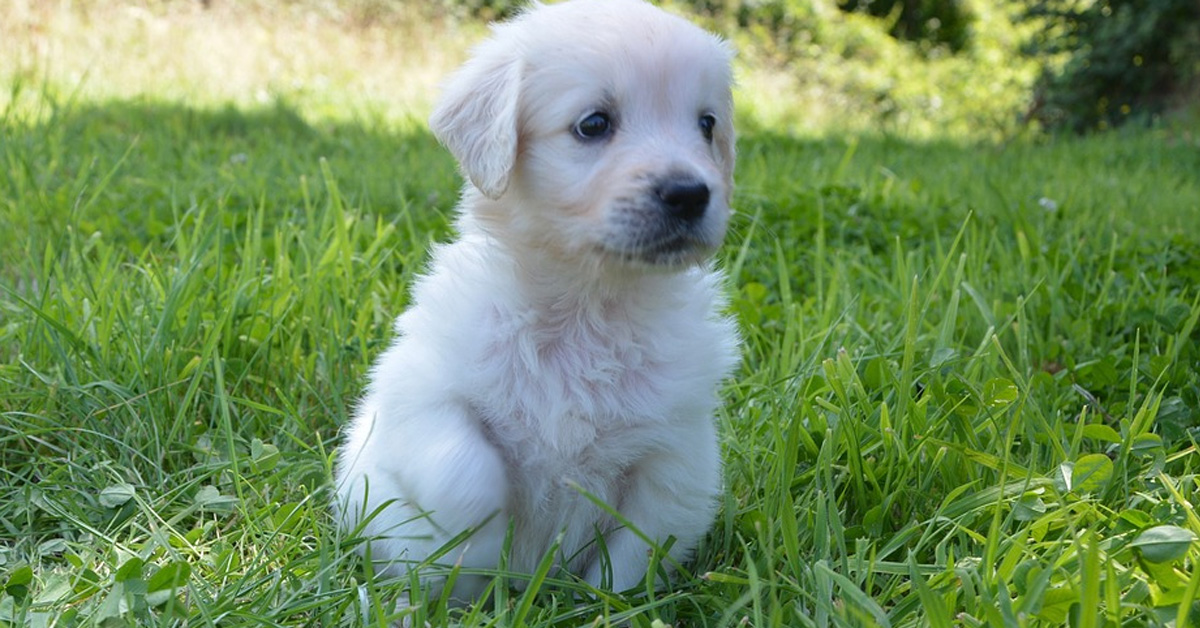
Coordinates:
(685, 199)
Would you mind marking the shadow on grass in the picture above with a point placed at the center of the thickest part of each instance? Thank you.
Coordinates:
(129, 169)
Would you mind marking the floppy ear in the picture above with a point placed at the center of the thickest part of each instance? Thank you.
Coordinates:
(476, 117)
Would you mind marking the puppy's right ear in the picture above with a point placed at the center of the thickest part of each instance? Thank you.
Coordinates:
(476, 117)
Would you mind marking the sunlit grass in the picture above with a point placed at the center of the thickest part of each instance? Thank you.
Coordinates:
(325, 59)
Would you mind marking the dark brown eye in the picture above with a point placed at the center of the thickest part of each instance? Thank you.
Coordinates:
(707, 123)
(594, 126)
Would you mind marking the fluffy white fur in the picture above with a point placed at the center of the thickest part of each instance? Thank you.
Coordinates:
(570, 337)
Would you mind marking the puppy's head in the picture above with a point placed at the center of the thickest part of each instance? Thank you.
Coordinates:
(596, 129)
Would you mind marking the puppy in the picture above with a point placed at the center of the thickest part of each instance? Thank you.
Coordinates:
(568, 346)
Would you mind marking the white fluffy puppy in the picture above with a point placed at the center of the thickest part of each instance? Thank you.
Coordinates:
(570, 337)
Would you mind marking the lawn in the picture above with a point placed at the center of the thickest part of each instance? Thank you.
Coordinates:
(970, 392)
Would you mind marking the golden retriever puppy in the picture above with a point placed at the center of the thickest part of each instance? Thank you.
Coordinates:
(570, 340)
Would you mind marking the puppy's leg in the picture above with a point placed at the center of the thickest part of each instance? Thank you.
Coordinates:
(670, 493)
(442, 477)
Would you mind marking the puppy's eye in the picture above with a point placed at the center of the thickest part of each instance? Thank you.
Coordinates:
(707, 123)
(594, 126)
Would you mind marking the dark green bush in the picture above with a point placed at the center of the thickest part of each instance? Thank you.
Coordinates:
(927, 22)
(1125, 60)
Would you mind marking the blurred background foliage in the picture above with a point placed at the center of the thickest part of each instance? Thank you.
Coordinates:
(1076, 65)
(1124, 60)
(918, 68)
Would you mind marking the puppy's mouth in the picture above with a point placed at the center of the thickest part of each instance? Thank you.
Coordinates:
(663, 242)
(668, 252)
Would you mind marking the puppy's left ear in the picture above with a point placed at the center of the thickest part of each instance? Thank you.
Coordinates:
(476, 117)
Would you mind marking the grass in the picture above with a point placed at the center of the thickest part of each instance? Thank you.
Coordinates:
(970, 393)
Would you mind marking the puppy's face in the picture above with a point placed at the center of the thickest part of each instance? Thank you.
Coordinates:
(597, 130)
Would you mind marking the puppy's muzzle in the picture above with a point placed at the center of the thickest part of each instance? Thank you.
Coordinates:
(672, 223)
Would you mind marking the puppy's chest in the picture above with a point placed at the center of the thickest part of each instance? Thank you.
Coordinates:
(567, 394)
(569, 416)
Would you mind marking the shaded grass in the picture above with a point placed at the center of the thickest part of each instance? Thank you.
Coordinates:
(941, 338)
